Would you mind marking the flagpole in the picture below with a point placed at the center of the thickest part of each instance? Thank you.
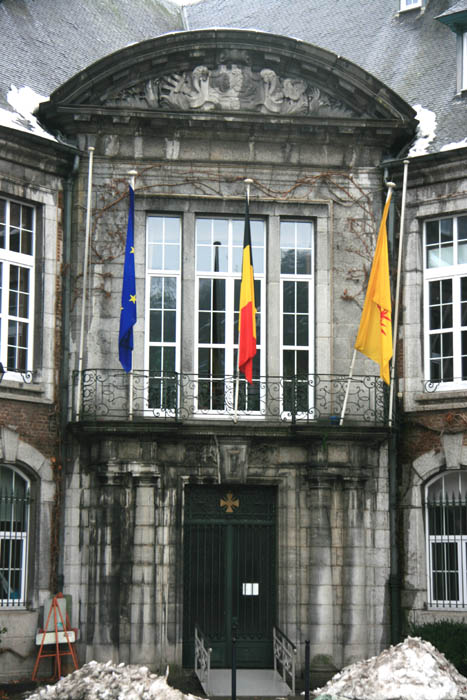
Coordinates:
(132, 174)
(398, 287)
(85, 278)
(390, 186)
(248, 181)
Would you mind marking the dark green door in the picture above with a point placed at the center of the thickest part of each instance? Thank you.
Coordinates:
(229, 573)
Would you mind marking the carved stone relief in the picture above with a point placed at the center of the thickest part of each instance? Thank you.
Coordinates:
(230, 88)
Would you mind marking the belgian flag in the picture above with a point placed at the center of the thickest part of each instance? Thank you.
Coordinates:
(247, 310)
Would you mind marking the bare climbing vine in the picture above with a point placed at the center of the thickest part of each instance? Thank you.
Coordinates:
(357, 239)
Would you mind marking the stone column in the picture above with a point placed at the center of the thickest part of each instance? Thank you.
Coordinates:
(354, 616)
(320, 580)
(142, 588)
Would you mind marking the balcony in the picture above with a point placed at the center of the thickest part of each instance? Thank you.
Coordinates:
(112, 395)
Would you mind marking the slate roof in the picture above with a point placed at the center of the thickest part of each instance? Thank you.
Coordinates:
(45, 42)
(460, 6)
(412, 52)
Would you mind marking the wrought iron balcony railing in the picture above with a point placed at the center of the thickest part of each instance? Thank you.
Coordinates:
(114, 395)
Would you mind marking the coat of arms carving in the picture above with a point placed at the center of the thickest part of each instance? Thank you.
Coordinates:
(230, 88)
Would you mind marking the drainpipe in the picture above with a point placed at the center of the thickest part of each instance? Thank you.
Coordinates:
(66, 297)
(394, 580)
(65, 344)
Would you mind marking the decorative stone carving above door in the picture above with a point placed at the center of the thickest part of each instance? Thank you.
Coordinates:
(230, 88)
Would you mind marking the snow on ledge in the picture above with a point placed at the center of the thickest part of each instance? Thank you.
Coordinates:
(453, 146)
(426, 131)
(24, 101)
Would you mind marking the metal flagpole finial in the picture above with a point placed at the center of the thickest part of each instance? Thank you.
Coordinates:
(132, 174)
(248, 181)
(390, 184)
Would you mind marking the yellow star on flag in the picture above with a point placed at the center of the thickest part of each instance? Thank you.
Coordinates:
(133, 298)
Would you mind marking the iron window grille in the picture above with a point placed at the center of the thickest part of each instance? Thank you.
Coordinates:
(14, 525)
(446, 521)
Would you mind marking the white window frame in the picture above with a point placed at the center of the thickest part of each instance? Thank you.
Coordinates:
(309, 279)
(410, 5)
(162, 273)
(17, 536)
(230, 347)
(455, 272)
(456, 500)
(464, 62)
(8, 260)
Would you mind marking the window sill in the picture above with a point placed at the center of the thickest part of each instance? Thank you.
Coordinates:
(403, 10)
(22, 391)
(445, 398)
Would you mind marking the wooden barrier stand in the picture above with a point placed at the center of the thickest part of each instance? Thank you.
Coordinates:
(58, 633)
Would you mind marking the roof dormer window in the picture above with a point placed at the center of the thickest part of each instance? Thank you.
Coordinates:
(410, 4)
(456, 19)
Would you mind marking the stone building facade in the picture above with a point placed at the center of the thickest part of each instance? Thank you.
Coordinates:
(180, 465)
(155, 502)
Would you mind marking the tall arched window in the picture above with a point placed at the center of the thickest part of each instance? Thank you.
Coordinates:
(14, 522)
(446, 526)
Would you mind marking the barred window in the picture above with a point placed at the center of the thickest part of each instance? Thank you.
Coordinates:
(14, 523)
(446, 518)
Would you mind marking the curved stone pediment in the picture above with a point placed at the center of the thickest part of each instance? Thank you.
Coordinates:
(226, 70)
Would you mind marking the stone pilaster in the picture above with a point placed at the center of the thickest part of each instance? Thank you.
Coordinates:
(321, 594)
(143, 574)
(355, 621)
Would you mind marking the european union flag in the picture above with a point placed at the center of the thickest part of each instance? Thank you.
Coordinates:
(128, 310)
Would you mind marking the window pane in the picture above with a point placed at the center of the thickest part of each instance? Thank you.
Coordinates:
(155, 257)
(169, 359)
(204, 294)
(432, 232)
(155, 224)
(287, 262)
(289, 297)
(446, 234)
(204, 327)
(170, 292)
(2, 223)
(302, 297)
(304, 234)
(170, 320)
(287, 234)
(303, 262)
(172, 229)
(302, 330)
(155, 327)
(156, 292)
(289, 330)
(172, 257)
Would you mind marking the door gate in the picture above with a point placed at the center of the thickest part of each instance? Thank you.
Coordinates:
(229, 572)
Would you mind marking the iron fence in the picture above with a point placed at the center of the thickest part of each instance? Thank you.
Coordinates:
(113, 395)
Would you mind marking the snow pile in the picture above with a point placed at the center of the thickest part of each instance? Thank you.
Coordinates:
(412, 670)
(98, 681)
